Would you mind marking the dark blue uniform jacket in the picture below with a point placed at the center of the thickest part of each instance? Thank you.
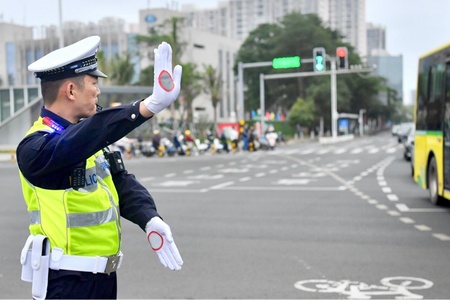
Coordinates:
(48, 160)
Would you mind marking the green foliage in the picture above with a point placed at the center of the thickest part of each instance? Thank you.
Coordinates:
(212, 85)
(191, 87)
(146, 76)
(122, 70)
(302, 113)
(299, 34)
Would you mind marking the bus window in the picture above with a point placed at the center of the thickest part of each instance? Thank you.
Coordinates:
(435, 101)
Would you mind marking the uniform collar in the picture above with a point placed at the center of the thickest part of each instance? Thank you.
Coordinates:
(61, 121)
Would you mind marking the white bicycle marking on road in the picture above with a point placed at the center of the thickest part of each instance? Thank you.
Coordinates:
(399, 286)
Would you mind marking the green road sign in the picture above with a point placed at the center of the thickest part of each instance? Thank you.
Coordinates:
(286, 62)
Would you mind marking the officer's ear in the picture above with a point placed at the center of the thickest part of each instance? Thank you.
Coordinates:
(69, 90)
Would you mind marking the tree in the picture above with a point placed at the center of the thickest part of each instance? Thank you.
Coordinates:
(120, 69)
(302, 113)
(213, 86)
(191, 88)
(298, 35)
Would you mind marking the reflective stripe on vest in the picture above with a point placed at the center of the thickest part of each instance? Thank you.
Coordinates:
(81, 220)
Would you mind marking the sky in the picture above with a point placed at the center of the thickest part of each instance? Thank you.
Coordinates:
(413, 27)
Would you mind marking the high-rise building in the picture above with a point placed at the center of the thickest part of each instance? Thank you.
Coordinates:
(237, 18)
(22, 46)
(376, 39)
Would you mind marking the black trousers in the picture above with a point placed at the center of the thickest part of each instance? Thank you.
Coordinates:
(64, 284)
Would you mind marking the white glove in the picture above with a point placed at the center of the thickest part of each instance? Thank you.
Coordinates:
(160, 238)
(166, 87)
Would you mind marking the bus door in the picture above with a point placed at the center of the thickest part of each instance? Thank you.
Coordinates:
(447, 128)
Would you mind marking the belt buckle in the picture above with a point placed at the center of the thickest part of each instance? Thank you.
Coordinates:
(112, 264)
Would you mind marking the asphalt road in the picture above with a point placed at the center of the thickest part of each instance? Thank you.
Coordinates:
(305, 221)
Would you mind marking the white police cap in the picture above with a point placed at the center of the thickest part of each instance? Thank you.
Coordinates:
(73, 60)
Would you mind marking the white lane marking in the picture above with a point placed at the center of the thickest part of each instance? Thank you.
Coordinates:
(260, 174)
(423, 227)
(382, 206)
(286, 188)
(340, 151)
(147, 179)
(407, 220)
(441, 236)
(293, 181)
(231, 170)
(177, 183)
(386, 190)
(206, 176)
(188, 171)
(394, 213)
(356, 151)
(170, 175)
(245, 179)
(392, 197)
(402, 207)
(391, 150)
(222, 185)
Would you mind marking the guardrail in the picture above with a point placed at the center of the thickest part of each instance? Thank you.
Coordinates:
(12, 99)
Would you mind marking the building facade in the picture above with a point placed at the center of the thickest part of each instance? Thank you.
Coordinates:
(202, 48)
(237, 18)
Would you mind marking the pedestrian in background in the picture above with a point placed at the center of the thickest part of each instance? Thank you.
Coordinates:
(75, 188)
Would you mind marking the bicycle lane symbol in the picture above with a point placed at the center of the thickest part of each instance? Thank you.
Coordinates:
(390, 286)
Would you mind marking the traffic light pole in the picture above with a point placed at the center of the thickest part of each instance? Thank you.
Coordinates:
(241, 67)
(333, 98)
(333, 72)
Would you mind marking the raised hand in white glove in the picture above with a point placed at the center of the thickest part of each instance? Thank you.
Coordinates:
(166, 86)
(160, 238)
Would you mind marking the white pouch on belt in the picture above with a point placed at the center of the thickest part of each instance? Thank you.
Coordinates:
(35, 264)
(25, 260)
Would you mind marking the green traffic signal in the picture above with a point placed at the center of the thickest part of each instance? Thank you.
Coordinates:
(286, 62)
(319, 59)
(319, 63)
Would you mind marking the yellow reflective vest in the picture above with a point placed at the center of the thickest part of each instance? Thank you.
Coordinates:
(83, 222)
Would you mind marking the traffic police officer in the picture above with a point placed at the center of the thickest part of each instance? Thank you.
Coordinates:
(75, 188)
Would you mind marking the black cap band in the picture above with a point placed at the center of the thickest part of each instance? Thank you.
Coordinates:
(76, 68)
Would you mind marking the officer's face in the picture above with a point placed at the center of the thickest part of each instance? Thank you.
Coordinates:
(87, 99)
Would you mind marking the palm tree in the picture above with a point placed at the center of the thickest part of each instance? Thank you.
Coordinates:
(191, 87)
(213, 86)
(122, 70)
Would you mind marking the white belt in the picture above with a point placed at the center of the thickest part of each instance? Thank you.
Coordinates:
(93, 264)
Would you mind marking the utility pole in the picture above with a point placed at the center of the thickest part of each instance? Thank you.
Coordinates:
(333, 98)
(61, 35)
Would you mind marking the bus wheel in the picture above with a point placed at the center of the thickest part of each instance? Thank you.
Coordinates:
(433, 183)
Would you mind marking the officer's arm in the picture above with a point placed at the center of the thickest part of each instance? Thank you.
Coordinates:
(136, 203)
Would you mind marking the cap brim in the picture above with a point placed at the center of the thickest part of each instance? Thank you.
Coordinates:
(97, 73)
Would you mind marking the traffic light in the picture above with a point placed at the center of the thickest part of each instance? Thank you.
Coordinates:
(286, 62)
(342, 57)
(319, 59)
